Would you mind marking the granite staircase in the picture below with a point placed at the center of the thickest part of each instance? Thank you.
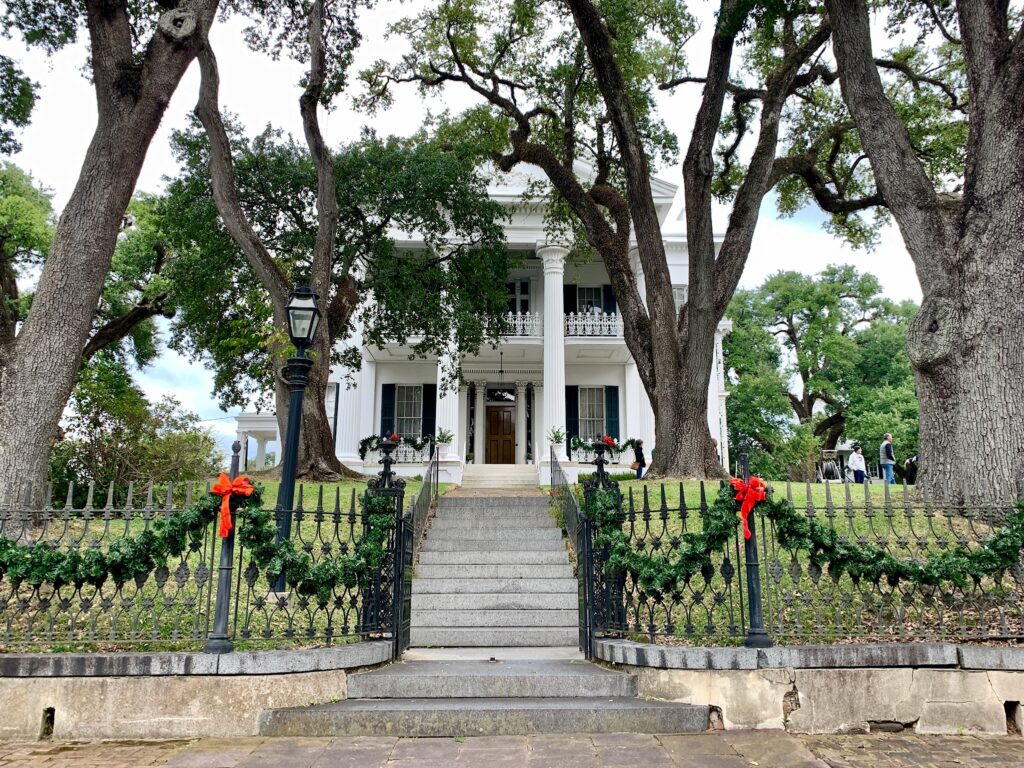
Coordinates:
(487, 698)
(493, 571)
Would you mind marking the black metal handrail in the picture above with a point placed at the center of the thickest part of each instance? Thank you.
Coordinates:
(578, 529)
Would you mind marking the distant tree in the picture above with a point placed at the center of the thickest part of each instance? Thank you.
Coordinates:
(114, 436)
(138, 52)
(840, 340)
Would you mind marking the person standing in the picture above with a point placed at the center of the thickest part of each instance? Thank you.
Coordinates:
(887, 459)
(858, 465)
(639, 462)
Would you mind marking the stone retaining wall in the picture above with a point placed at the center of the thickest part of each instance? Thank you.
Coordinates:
(169, 695)
(927, 687)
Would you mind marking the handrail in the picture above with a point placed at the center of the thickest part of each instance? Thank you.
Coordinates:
(578, 529)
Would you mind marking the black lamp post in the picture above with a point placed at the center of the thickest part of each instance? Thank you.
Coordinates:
(303, 321)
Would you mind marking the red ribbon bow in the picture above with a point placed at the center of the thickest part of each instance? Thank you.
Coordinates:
(749, 493)
(225, 487)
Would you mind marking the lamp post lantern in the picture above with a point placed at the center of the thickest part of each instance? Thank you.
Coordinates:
(303, 320)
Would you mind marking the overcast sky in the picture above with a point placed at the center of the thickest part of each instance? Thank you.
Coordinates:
(261, 91)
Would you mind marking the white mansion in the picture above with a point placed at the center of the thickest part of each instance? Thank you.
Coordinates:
(564, 363)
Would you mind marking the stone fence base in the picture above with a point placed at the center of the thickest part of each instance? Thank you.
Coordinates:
(168, 695)
(926, 687)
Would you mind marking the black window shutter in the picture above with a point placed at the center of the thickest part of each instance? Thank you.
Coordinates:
(608, 299)
(569, 295)
(387, 409)
(572, 416)
(429, 426)
(611, 412)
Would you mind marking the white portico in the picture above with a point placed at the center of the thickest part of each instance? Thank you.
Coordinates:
(563, 363)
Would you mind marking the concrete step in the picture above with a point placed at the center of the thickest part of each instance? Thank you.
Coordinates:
(483, 717)
(497, 534)
(540, 517)
(481, 618)
(506, 544)
(473, 637)
(469, 524)
(495, 602)
(502, 557)
(483, 679)
(562, 571)
(495, 503)
(491, 586)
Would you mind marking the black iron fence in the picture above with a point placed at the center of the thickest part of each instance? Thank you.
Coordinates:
(153, 573)
(934, 572)
(578, 529)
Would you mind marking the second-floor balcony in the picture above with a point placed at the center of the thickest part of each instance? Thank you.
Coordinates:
(575, 324)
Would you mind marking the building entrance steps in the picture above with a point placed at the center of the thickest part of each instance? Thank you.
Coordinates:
(451, 698)
(494, 571)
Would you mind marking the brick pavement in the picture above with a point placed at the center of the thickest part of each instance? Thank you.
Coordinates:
(733, 749)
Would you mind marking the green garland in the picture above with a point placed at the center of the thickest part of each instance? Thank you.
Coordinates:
(372, 443)
(658, 574)
(125, 559)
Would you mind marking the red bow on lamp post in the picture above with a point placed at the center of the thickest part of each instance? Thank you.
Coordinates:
(749, 493)
(225, 488)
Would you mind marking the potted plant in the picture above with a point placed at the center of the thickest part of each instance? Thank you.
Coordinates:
(443, 439)
(556, 436)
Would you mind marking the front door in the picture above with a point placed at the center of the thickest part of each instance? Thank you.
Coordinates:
(501, 434)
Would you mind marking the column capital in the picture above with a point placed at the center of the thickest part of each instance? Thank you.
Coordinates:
(553, 257)
(521, 386)
(480, 382)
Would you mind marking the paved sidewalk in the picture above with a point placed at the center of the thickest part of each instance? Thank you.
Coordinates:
(733, 749)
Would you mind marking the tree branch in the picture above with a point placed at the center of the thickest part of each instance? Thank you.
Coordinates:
(225, 193)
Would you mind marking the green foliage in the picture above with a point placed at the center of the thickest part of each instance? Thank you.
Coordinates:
(26, 218)
(449, 294)
(659, 574)
(809, 354)
(114, 435)
(17, 98)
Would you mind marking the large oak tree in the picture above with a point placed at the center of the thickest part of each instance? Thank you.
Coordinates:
(139, 51)
(964, 230)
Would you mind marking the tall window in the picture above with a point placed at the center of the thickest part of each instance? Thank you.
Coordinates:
(679, 295)
(589, 300)
(591, 413)
(518, 292)
(409, 410)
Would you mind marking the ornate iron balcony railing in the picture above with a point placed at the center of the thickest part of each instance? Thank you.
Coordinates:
(593, 324)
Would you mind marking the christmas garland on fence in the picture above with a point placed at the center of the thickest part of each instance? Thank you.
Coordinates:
(658, 574)
(43, 562)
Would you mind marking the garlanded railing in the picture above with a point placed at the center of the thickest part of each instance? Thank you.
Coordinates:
(593, 324)
(748, 565)
(204, 568)
(578, 529)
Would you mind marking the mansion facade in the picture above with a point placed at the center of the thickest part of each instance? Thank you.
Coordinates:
(563, 363)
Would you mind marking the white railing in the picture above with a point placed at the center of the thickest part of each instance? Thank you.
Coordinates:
(403, 454)
(587, 456)
(524, 324)
(593, 324)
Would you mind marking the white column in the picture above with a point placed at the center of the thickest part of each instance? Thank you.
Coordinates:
(521, 422)
(540, 443)
(367, 394)
(459, 445)
(447, 403)
(480, 424)
(349, 420)
(261, 452)
(554, 337)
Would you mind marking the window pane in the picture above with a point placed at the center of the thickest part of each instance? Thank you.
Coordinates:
(409, 410)
(591, 413)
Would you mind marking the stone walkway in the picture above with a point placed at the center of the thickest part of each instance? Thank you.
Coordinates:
(734, 749)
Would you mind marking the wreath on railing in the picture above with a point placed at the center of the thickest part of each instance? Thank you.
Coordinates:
(660, 573)
(135, 558)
